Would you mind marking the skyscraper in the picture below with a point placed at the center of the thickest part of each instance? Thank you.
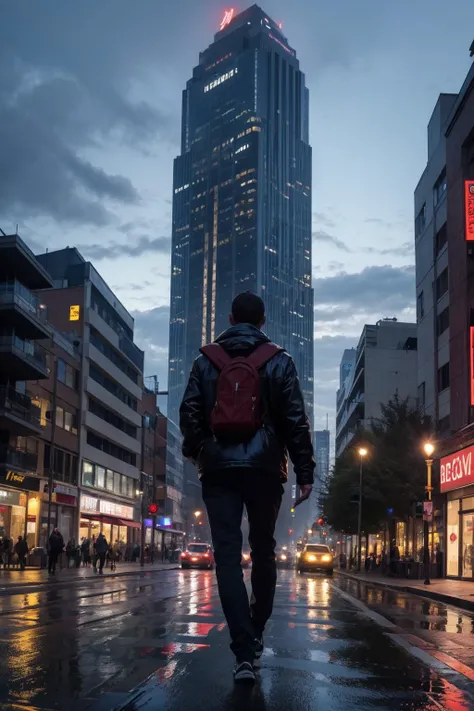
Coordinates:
(241, 204)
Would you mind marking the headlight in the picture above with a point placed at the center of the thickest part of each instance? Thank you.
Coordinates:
(326, 558)
(298, 554)
(311, 558)
(283, 557)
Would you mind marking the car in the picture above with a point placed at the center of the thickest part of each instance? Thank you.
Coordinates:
(198, 555)
(316, 557)
(246, 559)
(284, 558)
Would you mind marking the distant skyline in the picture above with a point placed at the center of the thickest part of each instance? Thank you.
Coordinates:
(90, 99)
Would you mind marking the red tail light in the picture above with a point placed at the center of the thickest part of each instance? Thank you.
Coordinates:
(206, 555)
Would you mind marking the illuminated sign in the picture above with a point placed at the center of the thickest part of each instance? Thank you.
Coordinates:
(13, 476)
(74, 313)
(457, 469)
(93, 505)
(227, 19)
(220, 80)
(287, 49)
(471, 361)
(469, 209)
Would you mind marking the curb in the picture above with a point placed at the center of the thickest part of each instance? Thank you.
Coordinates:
(426, 593)
(82, 579)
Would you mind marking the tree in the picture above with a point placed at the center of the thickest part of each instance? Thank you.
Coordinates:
(394, 473)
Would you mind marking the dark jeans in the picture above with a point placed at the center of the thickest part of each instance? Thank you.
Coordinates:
(22, 561)
(53, 559)
(225, 500)
(101, 559)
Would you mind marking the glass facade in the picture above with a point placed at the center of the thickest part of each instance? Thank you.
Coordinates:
(241, 203)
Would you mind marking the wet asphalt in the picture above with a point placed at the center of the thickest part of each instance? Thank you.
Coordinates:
(158, 642)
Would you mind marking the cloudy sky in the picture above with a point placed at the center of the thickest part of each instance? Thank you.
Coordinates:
(90, 96)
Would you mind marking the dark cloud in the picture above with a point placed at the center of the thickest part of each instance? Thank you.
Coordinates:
(406, 249)
(374, 288)
(134, 248)
(41, 170)
(322, 236)
(323, 219)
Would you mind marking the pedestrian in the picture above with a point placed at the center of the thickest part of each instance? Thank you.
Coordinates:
(56, 545)
(21, 549)
(71, 552)
(85, 552)
(394, 558)
(242, 413)
(7, 552)
(101, 548)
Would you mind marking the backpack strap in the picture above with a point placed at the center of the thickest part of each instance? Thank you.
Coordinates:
(263, 354)
(217, 355)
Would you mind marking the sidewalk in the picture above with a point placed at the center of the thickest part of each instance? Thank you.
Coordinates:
(35, 576)
(459, 593)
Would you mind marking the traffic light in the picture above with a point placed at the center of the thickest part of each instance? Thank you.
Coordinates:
(320, 521)
(290, 531)
(153, 509)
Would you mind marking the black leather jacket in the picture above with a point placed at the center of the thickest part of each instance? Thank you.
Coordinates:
(286, 427)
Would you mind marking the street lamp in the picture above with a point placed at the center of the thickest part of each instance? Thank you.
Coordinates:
(428, 449)
(197, 514)
(362, 453)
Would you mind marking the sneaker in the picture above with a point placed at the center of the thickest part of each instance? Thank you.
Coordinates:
(244, 672)
(258, 650)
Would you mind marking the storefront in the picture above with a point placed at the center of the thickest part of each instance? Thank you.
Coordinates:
(19, 506)
(166, 538)
(457, 482)
(113, 519)
(63, 513)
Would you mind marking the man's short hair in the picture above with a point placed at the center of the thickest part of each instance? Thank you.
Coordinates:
(248, 308)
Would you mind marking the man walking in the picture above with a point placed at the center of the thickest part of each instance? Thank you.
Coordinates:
(21, 549)
(101, 548)
(242, 413)
(56, 545)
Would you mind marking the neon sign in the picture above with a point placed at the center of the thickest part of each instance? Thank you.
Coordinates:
(227, 19)
(469, 210)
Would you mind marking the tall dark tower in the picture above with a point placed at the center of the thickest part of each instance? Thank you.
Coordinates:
(241, 205)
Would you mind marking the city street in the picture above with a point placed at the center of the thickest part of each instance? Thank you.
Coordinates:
(157, 641)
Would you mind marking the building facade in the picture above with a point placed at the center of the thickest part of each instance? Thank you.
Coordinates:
(241, 206)
(383, 365)
(24, 331)
(432, 274)
(456, 449)
(82, 306)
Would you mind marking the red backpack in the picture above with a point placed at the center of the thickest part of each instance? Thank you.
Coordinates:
(237, 410)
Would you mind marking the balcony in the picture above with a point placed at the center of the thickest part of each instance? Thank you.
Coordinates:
(17, 413)
(17, 459)
(22, 311)
(22, 360)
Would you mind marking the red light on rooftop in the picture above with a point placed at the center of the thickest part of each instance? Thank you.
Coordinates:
(227, 19)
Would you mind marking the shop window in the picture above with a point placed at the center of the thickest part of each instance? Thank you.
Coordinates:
(100, 477)
(87, 474)
(452, 538)
(109, 481)
(117, 483)
(468, 503)
(467, 545)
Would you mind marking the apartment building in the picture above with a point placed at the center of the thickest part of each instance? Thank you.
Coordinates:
(81, 305)
(383, 365)
(23, 332)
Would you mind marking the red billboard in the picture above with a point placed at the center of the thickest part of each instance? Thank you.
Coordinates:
(457, 470)
(471, 361)
(469, 209)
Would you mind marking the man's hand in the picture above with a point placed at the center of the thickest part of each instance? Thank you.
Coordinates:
(305, 493)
